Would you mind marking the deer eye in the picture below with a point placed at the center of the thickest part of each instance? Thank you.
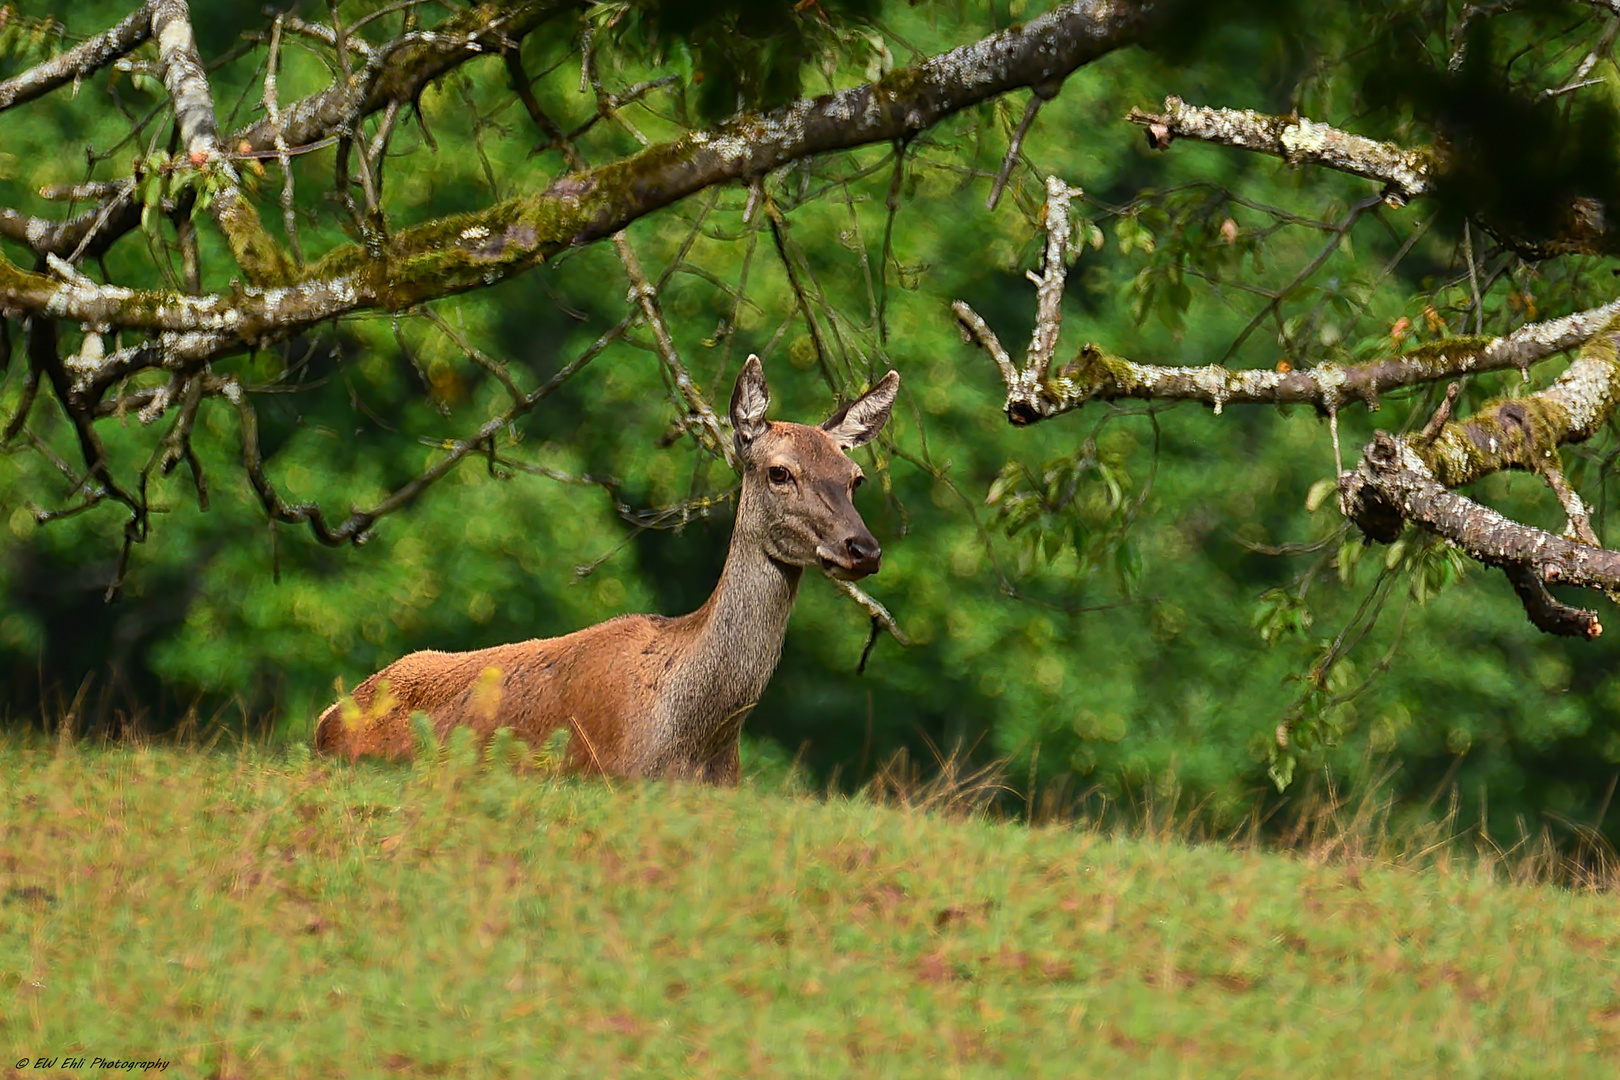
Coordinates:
(779, 475)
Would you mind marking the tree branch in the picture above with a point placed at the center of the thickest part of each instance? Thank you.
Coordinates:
(1525, 432)
(85, 58)
(183, 75)
(881, 618)
(461, 252)
(401, 69)
(1546, 613)
(1406, 173)
(1392, 486)
(1096, 375)
(1049, 284)
(395, 72)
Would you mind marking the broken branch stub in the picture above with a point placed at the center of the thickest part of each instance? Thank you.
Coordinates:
(1028, 398)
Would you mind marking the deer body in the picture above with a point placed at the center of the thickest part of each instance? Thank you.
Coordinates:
(646, 695)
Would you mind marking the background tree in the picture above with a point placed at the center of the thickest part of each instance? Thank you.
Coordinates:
(492, 262)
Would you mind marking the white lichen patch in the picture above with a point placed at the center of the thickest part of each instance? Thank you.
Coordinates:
(1587, 390)
(89, 356)
(174, 36)
(729, 148)
(1329, 376)
(1304, 139)
(1211, 381)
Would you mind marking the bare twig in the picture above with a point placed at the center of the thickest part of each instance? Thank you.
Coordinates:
(690, 397)
(1578, 78)
(1442, 415)
(881, 618)
(1013, 149)
(272, 110)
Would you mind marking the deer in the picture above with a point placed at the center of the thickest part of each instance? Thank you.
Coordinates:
(647, 695)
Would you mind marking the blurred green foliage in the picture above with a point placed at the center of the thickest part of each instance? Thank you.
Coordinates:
(1122, 601)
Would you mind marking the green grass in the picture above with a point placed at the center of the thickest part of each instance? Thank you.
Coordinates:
(249, 914)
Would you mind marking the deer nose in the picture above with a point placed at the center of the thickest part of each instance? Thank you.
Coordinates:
(865, 556)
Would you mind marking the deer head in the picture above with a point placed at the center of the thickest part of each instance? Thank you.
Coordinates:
(798, 483)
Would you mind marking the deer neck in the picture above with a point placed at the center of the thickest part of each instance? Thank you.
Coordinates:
(741, 627)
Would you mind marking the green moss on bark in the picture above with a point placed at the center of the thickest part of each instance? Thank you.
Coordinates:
(1508, 433)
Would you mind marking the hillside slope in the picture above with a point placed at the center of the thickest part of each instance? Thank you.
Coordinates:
(245, 915)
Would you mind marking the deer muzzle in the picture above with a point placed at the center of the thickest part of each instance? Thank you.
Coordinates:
(857, 557)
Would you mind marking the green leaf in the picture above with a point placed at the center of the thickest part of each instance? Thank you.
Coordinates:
(427, 741)
(1281, 768)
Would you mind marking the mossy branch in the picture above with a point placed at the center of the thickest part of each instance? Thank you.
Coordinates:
(395, 73)
(1402, 480)
(469, 251)
(1526, 432)
(261, 260)
(1393, 486)
(1034, 393)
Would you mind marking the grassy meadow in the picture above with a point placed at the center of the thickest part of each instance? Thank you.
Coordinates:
(256, 913)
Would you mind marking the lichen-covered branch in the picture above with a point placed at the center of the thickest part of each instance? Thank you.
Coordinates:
(1097, 375)
(975, 329)
(250, 315)
(401, 69)
(1026, 387)
(396, 72)
(186, 81)
(1049, 283)
(1406, 173)
(1397, 481)
(85, 58)
(1401, 480)
(899, 105)
(1392, 486)
(183, 75)
(1525, 432)
(468, 251)
(1577, 518)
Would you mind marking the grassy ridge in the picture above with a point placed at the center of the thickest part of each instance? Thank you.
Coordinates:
(249, 915)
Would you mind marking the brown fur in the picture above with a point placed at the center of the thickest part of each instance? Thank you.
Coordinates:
(645, 695)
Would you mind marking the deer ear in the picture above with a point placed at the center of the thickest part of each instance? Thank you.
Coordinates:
(749, 400)
(858, 423)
